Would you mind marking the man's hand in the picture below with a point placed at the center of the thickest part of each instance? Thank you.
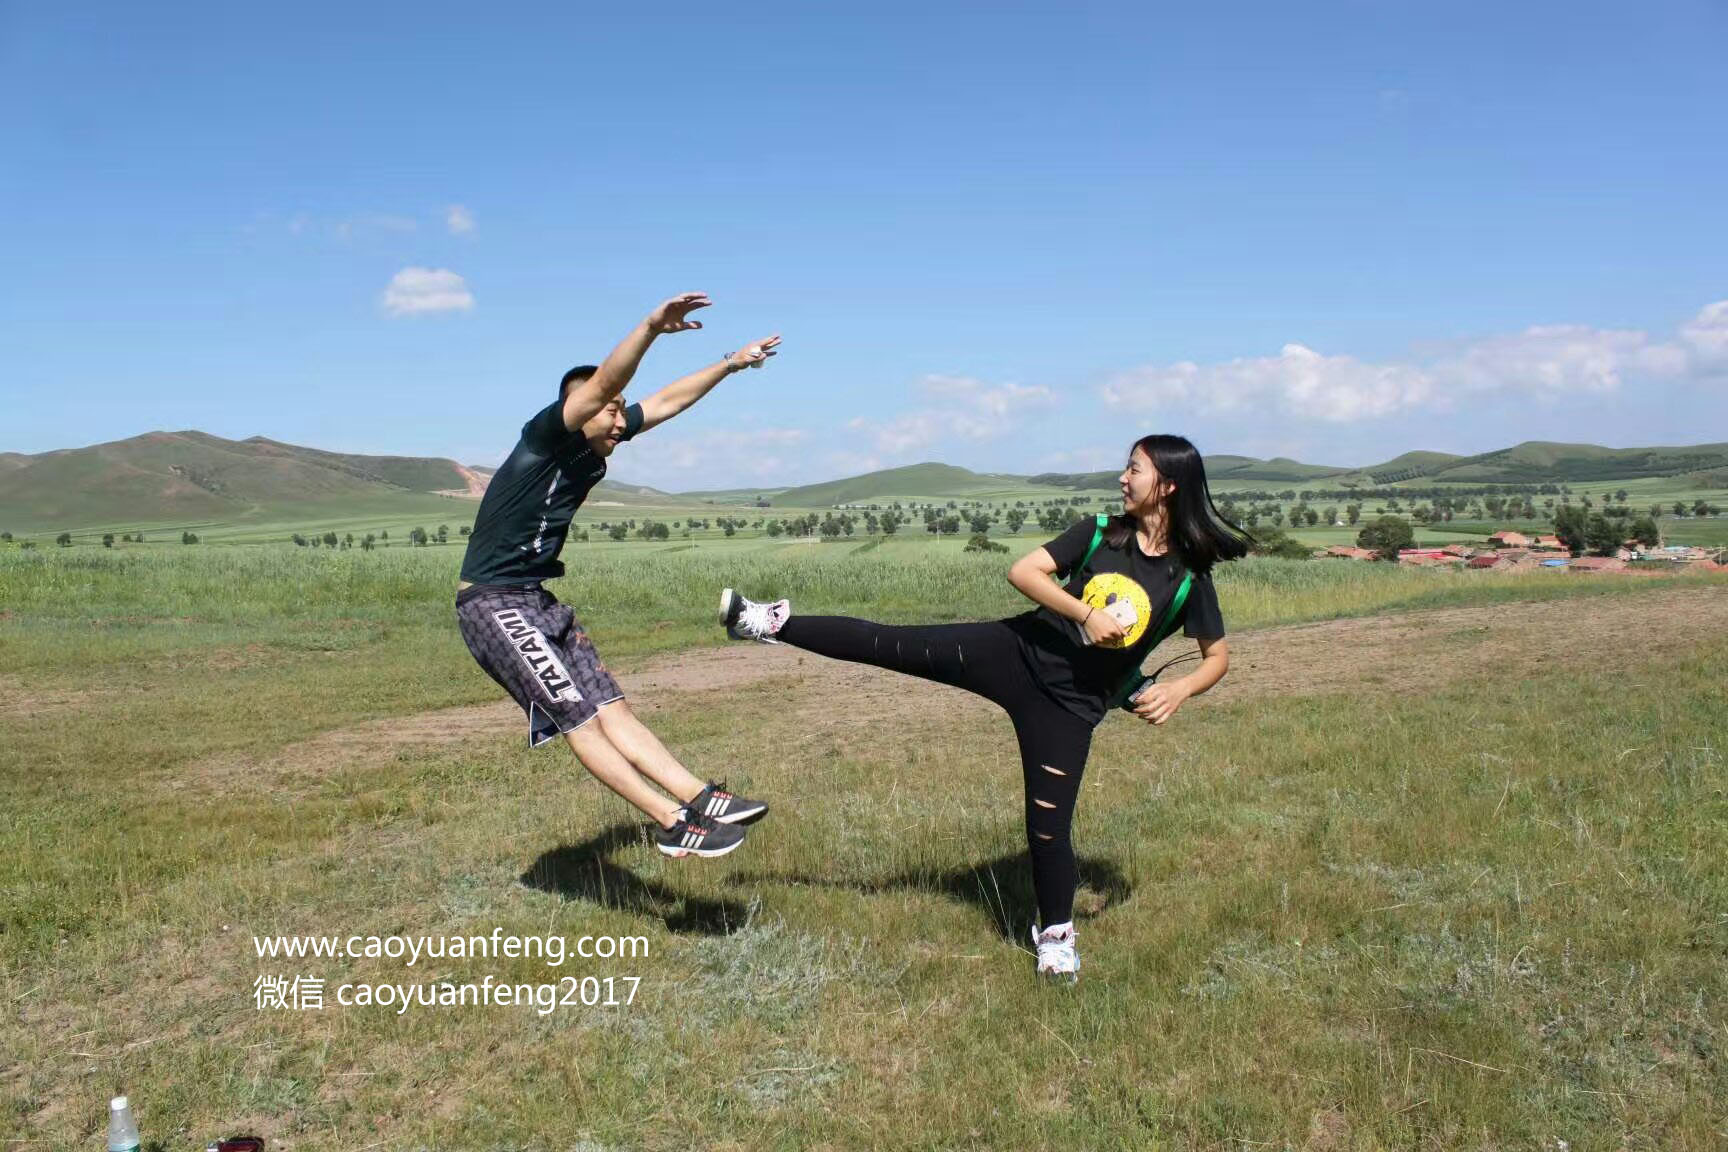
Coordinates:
(672, 316)
(753, 355)
(1158, 702)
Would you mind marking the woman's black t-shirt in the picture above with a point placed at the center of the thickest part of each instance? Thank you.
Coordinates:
(1083, 677)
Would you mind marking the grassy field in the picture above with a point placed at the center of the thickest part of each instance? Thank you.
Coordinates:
(1486, 914)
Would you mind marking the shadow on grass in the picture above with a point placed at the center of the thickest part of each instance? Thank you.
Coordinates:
(1002, 888)
(585, 872)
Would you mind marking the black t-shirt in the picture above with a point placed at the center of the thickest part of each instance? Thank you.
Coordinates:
(1127, 582)
(529, 503)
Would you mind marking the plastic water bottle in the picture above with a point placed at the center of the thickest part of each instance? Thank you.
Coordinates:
(122, 1130)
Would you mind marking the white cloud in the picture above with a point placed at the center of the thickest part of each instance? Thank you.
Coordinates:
(1707, 333)
(1548, 362)
(714, 458)
(1335, 388)
(958, 407)
(415, 290)
(459, 220)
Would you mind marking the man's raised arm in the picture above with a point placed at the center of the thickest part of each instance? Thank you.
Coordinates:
(686, 390)
(599, 390)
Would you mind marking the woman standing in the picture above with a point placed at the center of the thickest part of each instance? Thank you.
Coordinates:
(1058, 669)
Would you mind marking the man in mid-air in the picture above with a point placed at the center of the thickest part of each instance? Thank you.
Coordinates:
(531, 644)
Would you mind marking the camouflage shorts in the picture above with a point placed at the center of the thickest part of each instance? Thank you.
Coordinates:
(531, 644)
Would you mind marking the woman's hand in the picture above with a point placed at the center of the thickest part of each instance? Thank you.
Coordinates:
(1103, 629)
(1159, 702)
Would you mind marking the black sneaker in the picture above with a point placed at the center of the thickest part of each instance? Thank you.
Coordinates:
(718, 804)
(696, 835)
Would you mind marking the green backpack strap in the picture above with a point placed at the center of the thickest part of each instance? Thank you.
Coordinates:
(1097, 539)
(1166, 627)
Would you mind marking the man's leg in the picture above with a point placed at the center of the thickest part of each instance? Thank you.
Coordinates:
(614, 768)
(644, 751)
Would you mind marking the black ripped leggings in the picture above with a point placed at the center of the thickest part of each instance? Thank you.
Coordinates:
(985, 658)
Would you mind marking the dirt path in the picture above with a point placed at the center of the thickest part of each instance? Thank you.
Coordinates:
(1402, 653)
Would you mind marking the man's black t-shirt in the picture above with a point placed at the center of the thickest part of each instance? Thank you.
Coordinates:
(1083, 677)
(531, 498)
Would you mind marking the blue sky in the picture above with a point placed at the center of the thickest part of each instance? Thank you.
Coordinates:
(1006, 236)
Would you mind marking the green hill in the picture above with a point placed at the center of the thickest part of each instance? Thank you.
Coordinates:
(193, 478)
(1535, 461)
(177, 477)
(913, 482)
(1219, 468)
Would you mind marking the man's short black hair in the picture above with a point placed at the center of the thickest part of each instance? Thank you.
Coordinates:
(575, 376)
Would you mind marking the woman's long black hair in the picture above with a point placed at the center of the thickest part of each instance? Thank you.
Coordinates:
(1198, 533)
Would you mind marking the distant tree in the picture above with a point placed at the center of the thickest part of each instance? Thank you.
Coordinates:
(107, 539)
(983, 543)
(1386, 536)
(1275, 542)
(64, 539)
(1643, 530)
(188, 538)
(1572, 525)
(618, 531)
(1603, 535)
